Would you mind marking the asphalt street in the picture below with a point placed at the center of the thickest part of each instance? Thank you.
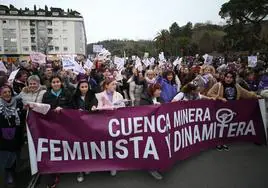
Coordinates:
(244, 166)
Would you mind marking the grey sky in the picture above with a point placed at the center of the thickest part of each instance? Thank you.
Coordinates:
(132, 19)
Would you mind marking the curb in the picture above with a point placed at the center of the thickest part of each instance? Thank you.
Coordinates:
(33, 181)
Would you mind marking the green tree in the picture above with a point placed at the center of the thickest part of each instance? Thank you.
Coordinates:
(163, 41)
(249, 14)
(174, 30)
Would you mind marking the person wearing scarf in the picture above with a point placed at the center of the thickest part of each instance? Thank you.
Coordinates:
(11, 138)
(34, 91)
(59, 98)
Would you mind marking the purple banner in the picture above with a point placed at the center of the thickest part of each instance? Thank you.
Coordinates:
(145, 138)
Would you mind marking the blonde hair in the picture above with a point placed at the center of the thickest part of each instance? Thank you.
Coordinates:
(150, 72)
(211, 68)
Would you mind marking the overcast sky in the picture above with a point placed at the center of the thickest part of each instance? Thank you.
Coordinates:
(131, 19)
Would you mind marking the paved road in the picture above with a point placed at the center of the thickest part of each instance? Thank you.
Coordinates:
(244, 166)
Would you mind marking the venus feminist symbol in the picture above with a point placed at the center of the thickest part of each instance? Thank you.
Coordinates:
(225, 115)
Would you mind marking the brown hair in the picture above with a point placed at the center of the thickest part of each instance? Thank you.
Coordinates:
(152, 88)
(191, 86)
(107, 81)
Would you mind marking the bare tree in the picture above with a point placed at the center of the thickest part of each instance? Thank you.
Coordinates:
(44, 44)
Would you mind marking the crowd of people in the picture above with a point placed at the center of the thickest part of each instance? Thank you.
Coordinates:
(103, 87)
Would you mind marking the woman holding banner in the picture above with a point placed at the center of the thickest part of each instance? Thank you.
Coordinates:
(83, 99)
(33, 92)
(11, 139)
(59, 98)
(109, 99)
(189, 92)
(152, 97)
(227, 90)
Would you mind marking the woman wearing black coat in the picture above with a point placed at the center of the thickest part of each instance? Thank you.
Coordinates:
(59, 98)
(84, 98)
(152, 97)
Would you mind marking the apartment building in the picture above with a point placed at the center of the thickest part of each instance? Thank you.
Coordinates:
(51, 31)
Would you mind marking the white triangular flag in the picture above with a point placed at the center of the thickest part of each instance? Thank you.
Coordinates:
(38, 57)
(161, 57)
(13, 75)
(103, 55)
(138, 63)
(78, 68)
(252, 61)
(120, 62)
(152, 60)
(88, 64)
(146, 62)
(208, 59)
(176, 62)
(68, 62)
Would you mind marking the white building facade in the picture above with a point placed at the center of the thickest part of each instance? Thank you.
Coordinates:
(50, 32)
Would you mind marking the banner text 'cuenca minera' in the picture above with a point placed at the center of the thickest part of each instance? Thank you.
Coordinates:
(139, 138)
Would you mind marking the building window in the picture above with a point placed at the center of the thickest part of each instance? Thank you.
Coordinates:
(64, 23)
(55, 14)
(49, 22)
(33, 48)
(31, 12)
(24, 23)
(50, 48)
(13, 49)
(33, 40)
(56, 30)
(25, 48)
(65, 40)
(12, 22)
(64, 30)
(49, 31)
(42, 32)
(24, 40)
(24, 31)
(2, 12)
(0, 48)
(41, 13)
(65, 48)
(13, 40)
(13, 12)
(32, 31)
(41, 24)
(56, 41)
(32, 23)
(4, 21)
(57, 48)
